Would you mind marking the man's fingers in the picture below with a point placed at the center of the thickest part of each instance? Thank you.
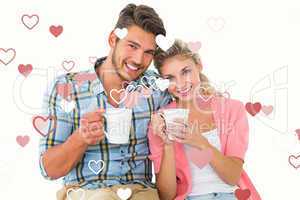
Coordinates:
(97, 115)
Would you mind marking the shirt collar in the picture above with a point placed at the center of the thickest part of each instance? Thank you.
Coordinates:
(97, 85)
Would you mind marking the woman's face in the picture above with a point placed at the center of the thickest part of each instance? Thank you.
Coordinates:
(183, 74)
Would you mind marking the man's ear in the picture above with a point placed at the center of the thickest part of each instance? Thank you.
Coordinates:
(112, 39)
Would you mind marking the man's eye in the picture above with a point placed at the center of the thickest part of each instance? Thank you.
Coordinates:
(132, 46)
(150, 53)
(170, 78)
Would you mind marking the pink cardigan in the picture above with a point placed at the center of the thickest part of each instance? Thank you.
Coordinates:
(232, 125)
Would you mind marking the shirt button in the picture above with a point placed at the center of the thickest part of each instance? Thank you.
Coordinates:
(122, 151)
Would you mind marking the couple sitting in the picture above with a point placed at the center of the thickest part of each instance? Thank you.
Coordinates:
(199, 156)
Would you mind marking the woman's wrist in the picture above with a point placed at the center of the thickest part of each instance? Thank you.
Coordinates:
(203, 146)
(168, 146)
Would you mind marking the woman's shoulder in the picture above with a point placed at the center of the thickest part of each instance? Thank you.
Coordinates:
(230, 105)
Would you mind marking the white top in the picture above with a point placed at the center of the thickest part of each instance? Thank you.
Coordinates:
(206, 180)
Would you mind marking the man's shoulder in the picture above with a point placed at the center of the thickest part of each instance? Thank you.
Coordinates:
(73, 76)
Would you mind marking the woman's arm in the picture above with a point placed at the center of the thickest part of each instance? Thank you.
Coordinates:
(166, 178)
(228, 168)
(163, 157)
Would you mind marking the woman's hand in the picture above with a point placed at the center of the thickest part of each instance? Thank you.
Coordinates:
(191, 137)
(159, 127)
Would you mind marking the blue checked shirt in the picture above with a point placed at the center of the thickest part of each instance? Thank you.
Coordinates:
(123, 164)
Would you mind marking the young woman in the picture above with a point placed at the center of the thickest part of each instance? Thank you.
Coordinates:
(217, 131)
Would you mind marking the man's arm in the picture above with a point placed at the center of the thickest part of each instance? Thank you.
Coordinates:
(60, 159)
(60, 149)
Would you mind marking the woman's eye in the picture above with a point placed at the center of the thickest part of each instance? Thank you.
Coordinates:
(186, 71)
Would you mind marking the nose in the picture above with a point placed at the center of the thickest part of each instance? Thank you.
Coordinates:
(138, 57)
(180, 83)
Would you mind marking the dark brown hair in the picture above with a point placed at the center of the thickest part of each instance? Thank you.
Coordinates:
(143, 16)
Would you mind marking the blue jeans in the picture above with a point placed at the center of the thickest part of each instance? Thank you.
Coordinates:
(213, 196)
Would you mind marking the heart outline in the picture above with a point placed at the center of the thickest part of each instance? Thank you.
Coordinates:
(96, 162)
(30, 17)
(6, 51)
(43, 119)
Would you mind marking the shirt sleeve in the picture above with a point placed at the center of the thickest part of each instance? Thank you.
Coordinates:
(237, 142)
(59, 124)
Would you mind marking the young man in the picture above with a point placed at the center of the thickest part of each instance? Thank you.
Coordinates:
(76, 142)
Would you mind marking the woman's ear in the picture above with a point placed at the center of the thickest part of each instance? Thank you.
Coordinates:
(112, 39)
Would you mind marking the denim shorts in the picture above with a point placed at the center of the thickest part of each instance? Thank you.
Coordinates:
(213, 196)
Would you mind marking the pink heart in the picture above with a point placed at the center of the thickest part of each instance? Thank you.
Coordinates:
(40, 124)
(30, 21)
(194, 46)
(294, 161)
(80, 78)
(64, 90)
(132, 99)
(200, 157)
(216, 23)
(253, 109)
(22, 140)
(68, 65)
(92, 59)
(7, 55)
(242, 194)
(298, 133)
(56, 30)
(146, 92)
(25, 70)
(267, 109)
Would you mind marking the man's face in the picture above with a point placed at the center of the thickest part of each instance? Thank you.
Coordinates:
(133, 54)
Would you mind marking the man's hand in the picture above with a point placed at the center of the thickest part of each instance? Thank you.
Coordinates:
(91, 128)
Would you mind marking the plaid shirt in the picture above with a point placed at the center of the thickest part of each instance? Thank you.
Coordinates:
(124, 164)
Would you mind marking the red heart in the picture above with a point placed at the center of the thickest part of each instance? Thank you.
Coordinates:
(242, 194)
(56, 30)
(64, 90)
(25, 70)
(22, 140)
(253, 109)
(40, 122)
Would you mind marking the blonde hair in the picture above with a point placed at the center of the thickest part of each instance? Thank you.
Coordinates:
(180, 48)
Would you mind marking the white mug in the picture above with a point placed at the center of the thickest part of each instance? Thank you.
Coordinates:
(169, 115)
(118, 124)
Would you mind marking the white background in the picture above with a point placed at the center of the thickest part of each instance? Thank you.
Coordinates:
(256, 45)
